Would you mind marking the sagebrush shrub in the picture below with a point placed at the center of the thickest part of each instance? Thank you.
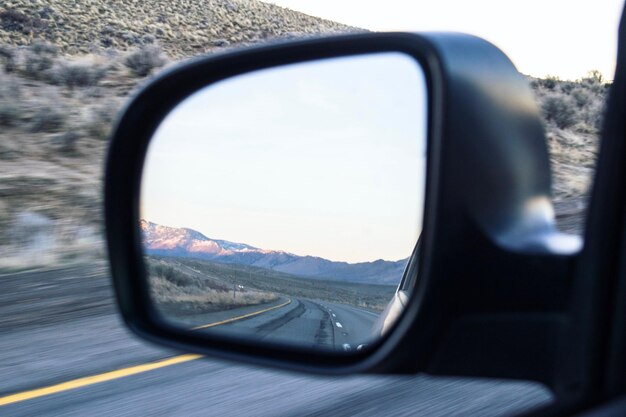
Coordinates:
(38, 58)
(10, 93)
(10, 88)
(567, 86)
(7, 55)
(100, 119)
(148, 39)
(48, 119)
(559, 109)
(145, 59)
(550, 82)
(15, 21)
(9, 113)
(77, 74)
(581, 97)
(42, 47)
(593, 114)
(172, 275)
(66, 142)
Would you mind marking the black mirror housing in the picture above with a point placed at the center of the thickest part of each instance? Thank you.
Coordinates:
(487, 208)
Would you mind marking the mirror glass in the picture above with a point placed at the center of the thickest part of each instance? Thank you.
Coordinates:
(283, 205)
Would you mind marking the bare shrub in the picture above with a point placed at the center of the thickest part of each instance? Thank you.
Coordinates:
(220, 43)
(130, 38)
(581, 96)
(46, 12)
(596, 76)
(77, 74)
(32, 236)
(10, 88)
(594, 82)
(148, 39)
(100, 120)
(567, 86)
(8, 56)
(66, 142)
(183, 293)
(559, 109)
(39, 57)
(145, 59)
(182, 279)
(48, 119)
(9, 113)
(193, 299)
(108, 31)
(593, 114)
(13, 20)
(550, 82)
(106, 41)
(42, 47)
(10, 109)
(169, 273)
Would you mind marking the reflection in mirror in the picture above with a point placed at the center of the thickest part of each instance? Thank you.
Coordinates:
(283, 205)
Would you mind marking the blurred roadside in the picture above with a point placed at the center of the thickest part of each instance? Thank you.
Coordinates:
(65, 72)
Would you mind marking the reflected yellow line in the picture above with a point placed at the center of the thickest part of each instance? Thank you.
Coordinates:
(217, 323)
(120, 373)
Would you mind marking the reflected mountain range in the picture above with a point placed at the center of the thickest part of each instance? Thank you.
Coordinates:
(159, 240)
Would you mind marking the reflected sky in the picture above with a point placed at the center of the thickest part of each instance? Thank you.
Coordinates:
(325, 158)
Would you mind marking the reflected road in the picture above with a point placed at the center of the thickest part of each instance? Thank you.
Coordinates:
(309, 323)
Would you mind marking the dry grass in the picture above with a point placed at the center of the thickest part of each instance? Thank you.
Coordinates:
(178, 291)
(572, 112)
(371, 296)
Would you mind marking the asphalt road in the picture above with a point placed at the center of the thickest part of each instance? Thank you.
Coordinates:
(59, 326)
(309, 323)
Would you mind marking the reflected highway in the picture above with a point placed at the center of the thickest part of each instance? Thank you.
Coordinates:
(310, 323)
(60, 329)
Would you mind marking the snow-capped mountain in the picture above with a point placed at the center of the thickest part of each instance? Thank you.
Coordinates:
(187, 243)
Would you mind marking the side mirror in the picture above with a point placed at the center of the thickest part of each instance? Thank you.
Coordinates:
(277, 197)
(281, 205)
(265, 205)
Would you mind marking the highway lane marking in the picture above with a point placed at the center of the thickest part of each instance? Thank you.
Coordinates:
(120, 373)
(205, 326)
(95, 379)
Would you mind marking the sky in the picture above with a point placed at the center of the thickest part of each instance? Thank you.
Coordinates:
(564, 38)
(325, 158)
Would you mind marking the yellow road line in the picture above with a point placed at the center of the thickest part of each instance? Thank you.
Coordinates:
(205, 326)
(120, 373)
(90, 380)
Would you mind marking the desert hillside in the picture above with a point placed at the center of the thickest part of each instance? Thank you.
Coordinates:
(182, 27)
(66, 67)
